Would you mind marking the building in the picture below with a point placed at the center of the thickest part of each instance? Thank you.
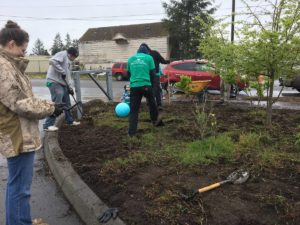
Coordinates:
(38, 64)
(100, 47)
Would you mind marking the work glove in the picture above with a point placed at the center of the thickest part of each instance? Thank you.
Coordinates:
(70, 91)
(111, 213)
(59, 108)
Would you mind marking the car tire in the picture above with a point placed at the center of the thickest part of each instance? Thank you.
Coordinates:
(119, 77)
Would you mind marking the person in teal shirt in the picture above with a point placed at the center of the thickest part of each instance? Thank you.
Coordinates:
(140, 69)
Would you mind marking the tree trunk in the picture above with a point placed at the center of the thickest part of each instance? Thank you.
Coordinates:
(270, 101)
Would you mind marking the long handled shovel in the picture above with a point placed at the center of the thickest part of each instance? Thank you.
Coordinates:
(237, 177)
(77, 103)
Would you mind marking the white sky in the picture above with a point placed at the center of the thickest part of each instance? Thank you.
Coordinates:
(44, 18)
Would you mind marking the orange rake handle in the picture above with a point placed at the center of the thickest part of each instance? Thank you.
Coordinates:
(210, 187)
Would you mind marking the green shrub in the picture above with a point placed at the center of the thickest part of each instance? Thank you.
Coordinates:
(183, 84)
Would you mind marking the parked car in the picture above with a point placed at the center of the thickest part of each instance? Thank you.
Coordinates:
(293, 83)
(196, 69)
(119, 71)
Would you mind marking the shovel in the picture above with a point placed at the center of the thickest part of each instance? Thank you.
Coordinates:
(237, 177)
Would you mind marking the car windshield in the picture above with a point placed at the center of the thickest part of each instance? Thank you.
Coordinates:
(117, 65)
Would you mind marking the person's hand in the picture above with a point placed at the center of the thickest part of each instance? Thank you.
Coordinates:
(70, 91)
(59, 108)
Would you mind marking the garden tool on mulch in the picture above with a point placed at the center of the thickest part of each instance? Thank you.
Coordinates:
(110, 213)
(237, 177)
(76, 102)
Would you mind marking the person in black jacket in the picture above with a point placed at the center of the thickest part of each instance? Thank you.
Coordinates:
(156, 79)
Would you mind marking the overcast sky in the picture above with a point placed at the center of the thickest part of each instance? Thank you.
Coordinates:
(44, 18)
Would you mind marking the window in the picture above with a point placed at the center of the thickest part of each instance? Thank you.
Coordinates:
(185, 66)
(117, 65)
(203, 67)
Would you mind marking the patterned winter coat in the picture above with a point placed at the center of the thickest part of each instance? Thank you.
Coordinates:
(19, 109)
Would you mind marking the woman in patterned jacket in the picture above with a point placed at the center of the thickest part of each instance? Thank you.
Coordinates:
(19, 115)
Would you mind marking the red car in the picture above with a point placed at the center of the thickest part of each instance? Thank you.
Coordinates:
(196, 69)
(119, 71)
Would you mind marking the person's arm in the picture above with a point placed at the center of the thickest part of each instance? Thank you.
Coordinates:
(56, 61)
(152, 69)
(161, 59)
(14, 98)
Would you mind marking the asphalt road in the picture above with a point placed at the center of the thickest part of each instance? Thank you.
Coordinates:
(89, 89)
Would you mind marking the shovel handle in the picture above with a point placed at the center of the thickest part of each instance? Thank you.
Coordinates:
(210, 187)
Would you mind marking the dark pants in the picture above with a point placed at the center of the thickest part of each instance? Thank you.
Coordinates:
(136, 95)
(156, 90)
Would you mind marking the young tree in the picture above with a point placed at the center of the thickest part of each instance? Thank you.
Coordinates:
(57, 44)
(38, 48)
(182, 25)
(269, 46)
(68, 41)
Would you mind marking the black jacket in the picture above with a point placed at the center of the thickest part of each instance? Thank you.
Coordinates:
(158, 59)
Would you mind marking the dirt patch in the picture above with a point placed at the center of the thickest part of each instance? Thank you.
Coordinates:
(143, 176)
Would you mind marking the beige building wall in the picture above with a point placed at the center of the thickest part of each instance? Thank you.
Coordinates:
(95, 55)
(37, 64)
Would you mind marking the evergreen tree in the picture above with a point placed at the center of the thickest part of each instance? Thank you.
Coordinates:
(75, 43)
(183, 25)
(57, 44)
(68, 41)
(38, 48)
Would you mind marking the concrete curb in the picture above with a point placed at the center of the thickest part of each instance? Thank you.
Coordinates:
(85, 202)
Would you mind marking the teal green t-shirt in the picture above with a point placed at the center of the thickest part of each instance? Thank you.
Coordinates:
(139, 67)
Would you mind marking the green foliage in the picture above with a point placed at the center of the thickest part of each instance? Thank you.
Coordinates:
(208, 151)
(39, 48)
(57, 44)
(68, 42)
(206, 122)
(269, 47)
(185, 32)
(183, 84)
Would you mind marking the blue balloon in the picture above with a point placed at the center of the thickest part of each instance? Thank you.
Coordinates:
(122, 109)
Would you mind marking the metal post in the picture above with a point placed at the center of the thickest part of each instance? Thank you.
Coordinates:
(76, 78)
(109, 84)
(232, 21)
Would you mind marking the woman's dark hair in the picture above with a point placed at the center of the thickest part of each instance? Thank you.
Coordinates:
(12, 31)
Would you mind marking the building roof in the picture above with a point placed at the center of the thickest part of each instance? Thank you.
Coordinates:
(135, 31)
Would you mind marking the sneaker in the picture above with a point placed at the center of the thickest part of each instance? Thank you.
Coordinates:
(51, 128)
(75, 123)
(38, 221)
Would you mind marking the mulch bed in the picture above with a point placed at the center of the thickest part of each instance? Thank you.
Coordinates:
(147, 193)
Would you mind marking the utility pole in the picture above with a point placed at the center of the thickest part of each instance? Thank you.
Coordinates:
(232, 21)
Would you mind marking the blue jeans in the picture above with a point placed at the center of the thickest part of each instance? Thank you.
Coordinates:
(18, 191)
(59, 94)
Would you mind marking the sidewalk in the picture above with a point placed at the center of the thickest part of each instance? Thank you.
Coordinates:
(47, 200)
